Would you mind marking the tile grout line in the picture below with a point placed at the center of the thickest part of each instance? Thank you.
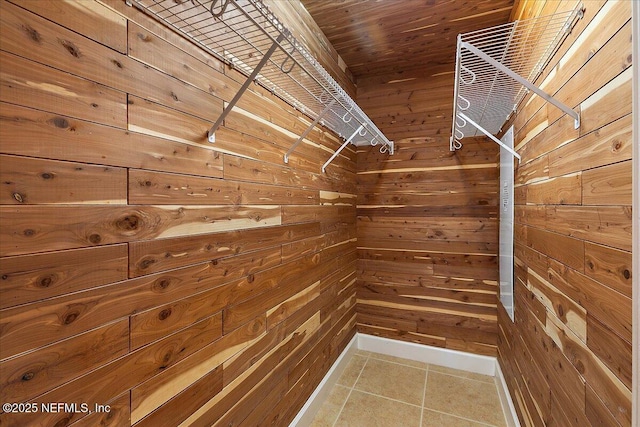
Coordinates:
(350, 388)
(424, 394)
(463, 418)
(451, 414)
(386, 398)
(371, 356)
(466, 378)
(399, 363)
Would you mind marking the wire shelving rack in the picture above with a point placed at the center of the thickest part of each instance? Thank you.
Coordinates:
(495, 69)
(249, 37)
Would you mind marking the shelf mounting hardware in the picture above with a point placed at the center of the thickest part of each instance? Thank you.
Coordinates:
(252, 77)
(524, 82)
(309, 128)
(347, 141)
(251, 39)
(486, 132)
(496, 68)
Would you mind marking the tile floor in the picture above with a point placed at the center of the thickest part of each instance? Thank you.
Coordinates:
(384, 391)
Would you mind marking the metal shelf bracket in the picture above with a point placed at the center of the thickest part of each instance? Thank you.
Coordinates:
(347, 141)
(306, 132)
(247, 36)
(486, 132)
(243, 88)
(524, 82)
(496, 68)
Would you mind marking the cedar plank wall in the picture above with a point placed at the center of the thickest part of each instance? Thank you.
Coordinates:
(567, 359)
(427, 220)
(427, 244)
(144, 268)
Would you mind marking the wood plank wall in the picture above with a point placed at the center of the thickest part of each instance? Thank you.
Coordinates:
(567, 358)
(427, 244)
(177, 281)
(427, 219)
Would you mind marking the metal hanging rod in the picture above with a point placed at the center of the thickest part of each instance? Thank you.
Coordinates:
(249, 37)
(496, 68)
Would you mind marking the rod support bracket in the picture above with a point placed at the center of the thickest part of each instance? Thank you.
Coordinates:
(309, 128)
(346, 142)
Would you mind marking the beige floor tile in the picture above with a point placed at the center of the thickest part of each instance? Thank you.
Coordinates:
(462, 374)
(475, 400)
(438, 419)
(392, 380)
(407, 362)
(331, 407)
(352, 371)
(366, 410)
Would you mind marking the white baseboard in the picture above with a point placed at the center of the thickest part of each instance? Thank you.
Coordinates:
(485, 365)
(505, 398)
(319, 395)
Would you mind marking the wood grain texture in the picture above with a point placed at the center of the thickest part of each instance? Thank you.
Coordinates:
(396, 37)
(93, 20)
(607, 185)
(62, 317)
(164, 302)
(30, 278)
(33, 133)
(611, 144)
(39, 229)
(156, 188)
(568, 351)
(36, 372)
(110, 380)
(306, 29)
(151, 256)
(609, 266)
(126, 235)
(27, 181)
(427, 241)
(151, 394)
(40, 40)
(34, 85)
(119, 414)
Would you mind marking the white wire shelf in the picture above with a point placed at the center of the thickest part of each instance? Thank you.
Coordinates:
(249, 37)
(497, 66)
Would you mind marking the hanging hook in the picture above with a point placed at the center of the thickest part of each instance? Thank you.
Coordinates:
(344, 118)
(465, 100)
(468, 71)
(374, 142)
(324, 97)
(458, 125)
(457, 144)
(384, 149)
(223, 7)
(459, 134)
(363, 132)
(286, 59)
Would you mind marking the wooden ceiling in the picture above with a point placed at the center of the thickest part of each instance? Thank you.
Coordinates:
(383, 37)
